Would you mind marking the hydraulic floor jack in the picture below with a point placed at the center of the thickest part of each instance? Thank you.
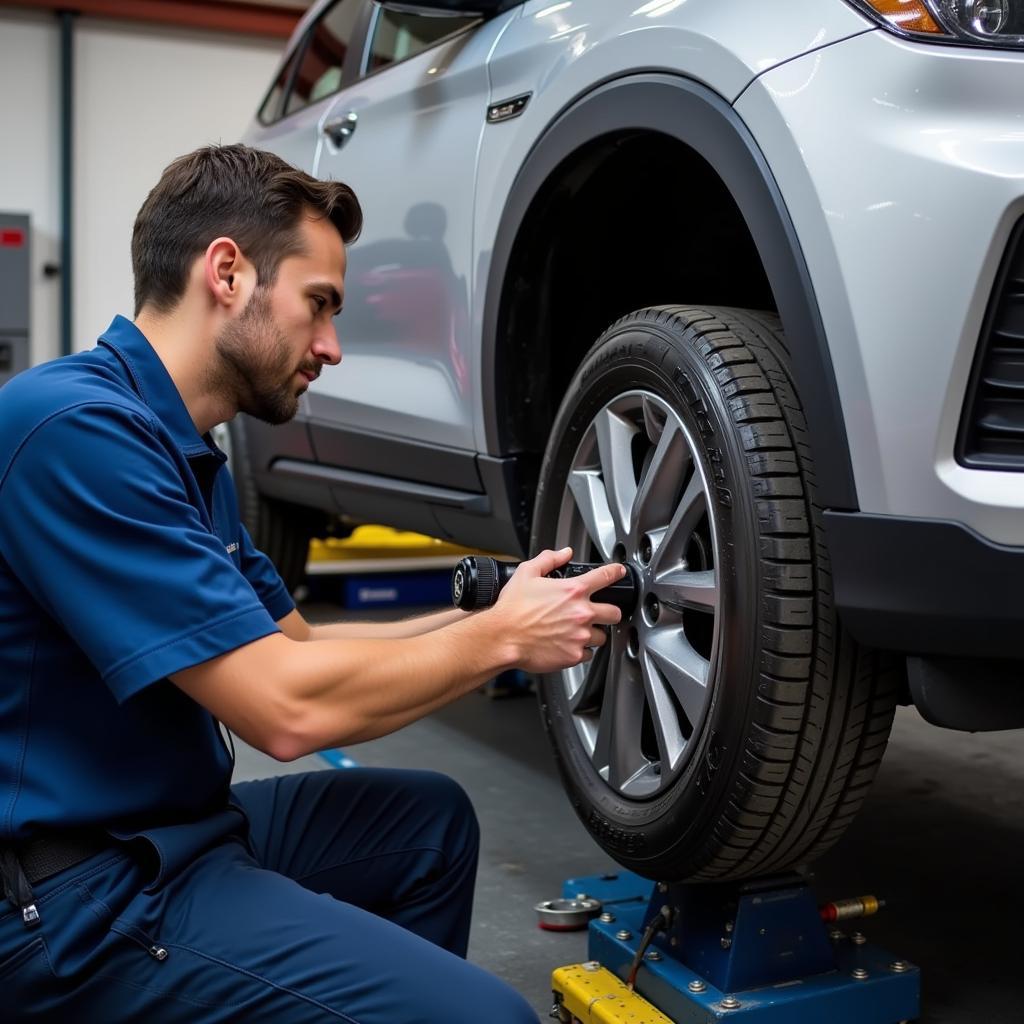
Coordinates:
(759, 952)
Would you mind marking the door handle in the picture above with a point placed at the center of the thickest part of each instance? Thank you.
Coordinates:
(340, 129)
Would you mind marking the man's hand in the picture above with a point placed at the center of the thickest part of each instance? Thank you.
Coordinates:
(553, 622)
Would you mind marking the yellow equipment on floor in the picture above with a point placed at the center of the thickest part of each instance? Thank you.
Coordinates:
(381, 544)
(590, 994)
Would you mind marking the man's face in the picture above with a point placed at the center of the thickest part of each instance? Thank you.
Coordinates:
(273, 350)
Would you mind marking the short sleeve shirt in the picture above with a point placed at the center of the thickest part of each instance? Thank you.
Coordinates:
(122, 561)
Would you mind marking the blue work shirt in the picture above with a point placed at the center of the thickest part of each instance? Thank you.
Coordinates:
(122, 561)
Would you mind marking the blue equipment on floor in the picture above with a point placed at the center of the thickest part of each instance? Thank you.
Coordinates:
(756, 952)
(337, 758)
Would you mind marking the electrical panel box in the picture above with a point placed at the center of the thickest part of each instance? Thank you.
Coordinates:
(14, 294)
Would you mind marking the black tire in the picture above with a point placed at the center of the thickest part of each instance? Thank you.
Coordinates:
(795, 714)
(280, 530)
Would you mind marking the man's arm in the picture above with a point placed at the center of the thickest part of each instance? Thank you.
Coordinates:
(295, 626)
(290, 697)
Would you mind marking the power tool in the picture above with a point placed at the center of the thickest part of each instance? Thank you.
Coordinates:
(477, 581)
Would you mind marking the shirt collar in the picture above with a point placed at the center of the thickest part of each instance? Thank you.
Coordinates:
(155, 386)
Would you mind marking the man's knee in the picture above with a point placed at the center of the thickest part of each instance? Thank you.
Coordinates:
(499, 1002)
(449, 802)
(512, 1009)
(447, 794)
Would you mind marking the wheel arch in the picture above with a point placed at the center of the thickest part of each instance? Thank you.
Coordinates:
(524, 369)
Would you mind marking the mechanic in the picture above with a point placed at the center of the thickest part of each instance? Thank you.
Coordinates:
(136, 615)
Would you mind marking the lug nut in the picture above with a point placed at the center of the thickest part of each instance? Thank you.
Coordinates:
(654, 955)
(697, 986)
(899, 967)
(731, 1003)
(859, 973)
(624, 936)
(607, 917)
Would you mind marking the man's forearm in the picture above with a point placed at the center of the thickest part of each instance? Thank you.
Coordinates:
(290, 696)
(368, 687)
(387, 630)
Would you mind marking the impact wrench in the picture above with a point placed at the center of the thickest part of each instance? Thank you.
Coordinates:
(477, 580)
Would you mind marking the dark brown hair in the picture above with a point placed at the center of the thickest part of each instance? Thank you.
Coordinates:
(246, 194)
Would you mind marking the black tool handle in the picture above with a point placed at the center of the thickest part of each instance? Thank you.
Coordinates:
(477, 580)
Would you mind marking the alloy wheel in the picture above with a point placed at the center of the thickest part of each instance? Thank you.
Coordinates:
(637, 492)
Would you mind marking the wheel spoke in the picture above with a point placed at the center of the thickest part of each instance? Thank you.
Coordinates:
(587, 696)
(615, 451)
(592, 501)
(682, 668)
(692, 505)
(679, 589)
(656, 495)
(671, 740)
(617, 754)
(655, 416)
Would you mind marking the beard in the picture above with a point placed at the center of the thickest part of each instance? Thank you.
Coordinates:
(255, 370)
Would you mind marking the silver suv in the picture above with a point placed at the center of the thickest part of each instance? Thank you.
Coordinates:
(728, 289)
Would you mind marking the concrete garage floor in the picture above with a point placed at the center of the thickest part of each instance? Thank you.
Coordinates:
(940, 838)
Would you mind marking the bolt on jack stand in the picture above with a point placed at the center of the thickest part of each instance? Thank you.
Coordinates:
(755, 952)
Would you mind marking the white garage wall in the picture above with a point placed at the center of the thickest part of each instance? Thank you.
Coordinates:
(144, 94)
(29, 156)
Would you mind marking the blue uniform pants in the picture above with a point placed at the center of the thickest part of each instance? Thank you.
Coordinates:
(351, 902)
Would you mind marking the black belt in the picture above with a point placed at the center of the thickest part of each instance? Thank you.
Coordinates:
(41, 858)
(25, 864)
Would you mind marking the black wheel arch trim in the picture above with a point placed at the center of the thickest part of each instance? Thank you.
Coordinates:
(704, 121)
(929, 587)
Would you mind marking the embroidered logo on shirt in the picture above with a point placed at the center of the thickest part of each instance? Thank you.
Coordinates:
(231, 549)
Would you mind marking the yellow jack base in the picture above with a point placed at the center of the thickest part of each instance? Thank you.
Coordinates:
(589, 994)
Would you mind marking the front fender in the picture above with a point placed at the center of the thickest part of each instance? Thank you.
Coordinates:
(701, 119)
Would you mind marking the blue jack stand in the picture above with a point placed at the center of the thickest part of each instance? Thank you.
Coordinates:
(755, 952)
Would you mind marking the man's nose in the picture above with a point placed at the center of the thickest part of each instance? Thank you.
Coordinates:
(326, 347)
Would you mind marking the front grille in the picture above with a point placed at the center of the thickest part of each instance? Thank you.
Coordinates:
(992, 425)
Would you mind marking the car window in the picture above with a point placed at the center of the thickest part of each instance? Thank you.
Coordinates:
(314, 69)
(398, 36)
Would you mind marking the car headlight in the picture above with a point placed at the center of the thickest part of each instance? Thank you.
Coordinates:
(973, 22)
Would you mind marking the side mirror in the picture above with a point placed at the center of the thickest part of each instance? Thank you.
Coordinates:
(449, 8)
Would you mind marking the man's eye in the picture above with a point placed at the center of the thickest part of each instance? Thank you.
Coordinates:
(320, 302)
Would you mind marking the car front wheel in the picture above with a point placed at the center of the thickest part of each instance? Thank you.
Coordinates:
(730, 726)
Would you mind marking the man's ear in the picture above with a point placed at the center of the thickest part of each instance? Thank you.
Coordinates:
(229, 276)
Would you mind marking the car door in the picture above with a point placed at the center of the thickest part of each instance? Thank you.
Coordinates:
(405, 137)
(323, 56)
